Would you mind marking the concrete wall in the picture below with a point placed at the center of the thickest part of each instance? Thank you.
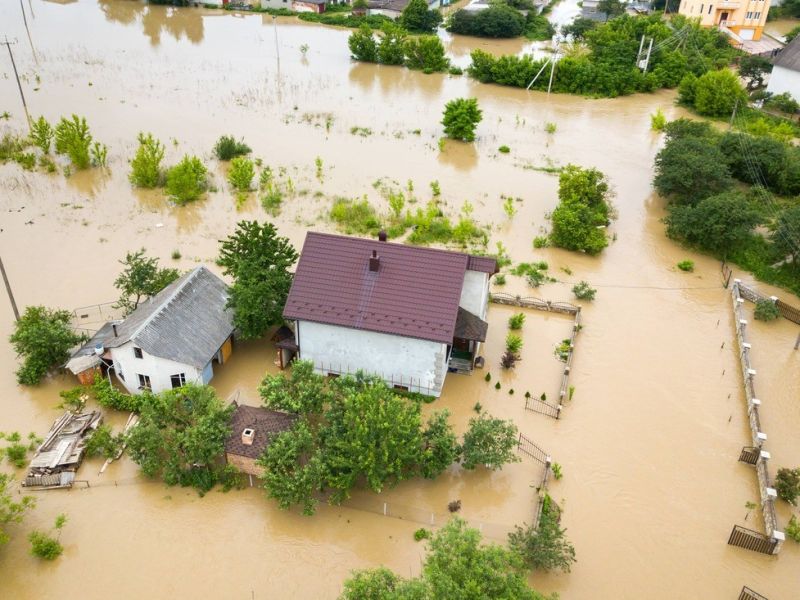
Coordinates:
(159, 369)
(421, 364)
(784, 80)
(244, 464)
(287, 4)
(475, 293)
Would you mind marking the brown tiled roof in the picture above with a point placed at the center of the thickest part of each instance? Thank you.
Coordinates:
(470, 326)
(414, 293)
(266, 424)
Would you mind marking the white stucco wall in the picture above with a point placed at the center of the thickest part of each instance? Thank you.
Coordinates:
(784, 80)
(159, 369)
(419, 364)
(287, 4)
(475, 293)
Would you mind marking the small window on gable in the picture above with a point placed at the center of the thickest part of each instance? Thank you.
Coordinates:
(710, 7)
(144, 382)
(137, 352)
(178, 380)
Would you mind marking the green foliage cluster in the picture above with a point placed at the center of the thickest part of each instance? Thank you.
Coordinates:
(793, 529)
(753, 68)
(42, 134)
(104, 443)
(12, 507)
(418, 18)
(74, 139)
(187, 180)
(534, 273)
(515, 321)
(350, 430)
(783, 102)
(146, 163)
(42, 338)
(181, 435)
(228, 147)
(16, 452)
(241, 174)
(766, 310)
(497, 21)
(787, 484)
(355, 216)
(346, 20)
(609, 68)
(461, 117)
(713, 94)
(258, 259)
(543, 547)
(489, 441)
(394, 47)
(583, 212)
(274, 189)
(583, 291)
(108, 396)
(457, 565)
(686, 265)
(44, 545)
(141, 278)
(696, 169)
(422, 534)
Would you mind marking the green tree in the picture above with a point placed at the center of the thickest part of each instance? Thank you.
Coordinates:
(43, 338)
(497, 21)
(718, 223)
(578, 28)
(42, 134)
(490, 442)
(362, 44)
(689, 169)
(181, 436)
(12, 507)
(140, 279)
(146, 163)
(371, 584)
(417, 18)
(756, 160)
(461, 117)
(440, 447)
(370, 433)
(104, 443)
(392, 46)
(717, 92)
(259, 261)
(228, 147)
(302, 392)
(583, 211)
(187, 180)
(785, 237)
(241, 173)
(73, 139)
(787, 484)
(753, 68)
(610, 8)
(44, 545)
(426, 52)
(293, 468)
(544, 547)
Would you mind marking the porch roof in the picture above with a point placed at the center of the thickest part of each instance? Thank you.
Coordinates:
(470, 326)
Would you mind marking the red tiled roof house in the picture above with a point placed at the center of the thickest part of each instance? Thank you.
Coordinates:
(405, 313)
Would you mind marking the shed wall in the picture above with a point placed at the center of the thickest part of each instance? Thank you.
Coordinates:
(159, 369)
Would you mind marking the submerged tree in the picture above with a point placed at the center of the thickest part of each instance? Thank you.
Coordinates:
(43, 338)
(146, 163)
(461, 117)
(258, 259)
(418, 18)
(140, 279)
(544, 547)
(362, 44)
(12, 508)
(490, 442)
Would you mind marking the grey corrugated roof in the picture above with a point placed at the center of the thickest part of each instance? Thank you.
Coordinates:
(186, 322)
(789, 57)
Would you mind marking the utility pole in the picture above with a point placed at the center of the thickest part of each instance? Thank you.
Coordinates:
(553, 64)
(28, 31)
(16, 75)
(733, 116)
(797, 343)
(8, 289)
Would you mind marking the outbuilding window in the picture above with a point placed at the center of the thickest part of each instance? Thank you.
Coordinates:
(178, 380)
(137, 352)
(144, 382)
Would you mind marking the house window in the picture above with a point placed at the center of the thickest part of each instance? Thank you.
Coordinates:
(178, 380)
(757, 15)
(137, 352)
(701, 8)
(710, 8)
(144, 382)
(748, 15)
(120, 375)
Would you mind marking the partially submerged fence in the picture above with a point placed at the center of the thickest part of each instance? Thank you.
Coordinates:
(534, 404)
(787, 311)
(527, 447)
(772, 542)
(748, 594)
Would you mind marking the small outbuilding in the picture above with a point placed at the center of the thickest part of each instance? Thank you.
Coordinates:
(785, 76)
(252, 429)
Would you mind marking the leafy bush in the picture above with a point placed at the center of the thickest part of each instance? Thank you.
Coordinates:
(500, 279)
(42, 134)
(425, 53)
(362, 45)
(504, 149)
(44, 546)
(562, 353)
(187, 180)
(417, 18)
(110, 397)
(392, 45)
(461, 117)
(508, 361)
(421, 534)
(227, 147)
(690, 169)
(541, 241)
(490, 442)
(583, 291)
(497, 21)
(766, 310)
(355, 216)
(792, 528)
(543, 547)
(146, 163)
(73, 139)
(104, 443)
(686, 265)
(241, 173)
(516, 321)
(783, 102)
(658, 121)
(513, 343)
(787, 484)
(583, 211)
(714, 94)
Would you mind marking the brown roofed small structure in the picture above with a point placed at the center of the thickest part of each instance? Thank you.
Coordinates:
(380, 286)
(470, 327)
(264, 423)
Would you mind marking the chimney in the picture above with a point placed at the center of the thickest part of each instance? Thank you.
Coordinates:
(247, 436)
(374, 262)
(114, 327)
(382, 236)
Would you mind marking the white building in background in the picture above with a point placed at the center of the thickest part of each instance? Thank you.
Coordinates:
(404, 313)
(171, 339)
(785, 76)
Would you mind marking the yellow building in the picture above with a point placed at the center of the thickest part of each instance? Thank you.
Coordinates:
(745, 18)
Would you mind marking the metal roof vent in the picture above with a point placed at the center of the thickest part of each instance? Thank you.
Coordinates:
(382, 236)
(247, 436)
(374, 262)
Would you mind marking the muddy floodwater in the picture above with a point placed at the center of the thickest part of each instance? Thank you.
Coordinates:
(648, 445)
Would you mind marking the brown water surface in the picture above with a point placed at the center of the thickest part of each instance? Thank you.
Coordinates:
(649, 444)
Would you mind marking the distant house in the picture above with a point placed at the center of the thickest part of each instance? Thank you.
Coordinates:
(405, 313)
(785, 76)
(317, 6)
(745, 20)
(252, 429)
(171, 339)
(393, 8)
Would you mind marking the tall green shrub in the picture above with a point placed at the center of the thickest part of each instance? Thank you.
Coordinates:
(146, 163)
(187, 180)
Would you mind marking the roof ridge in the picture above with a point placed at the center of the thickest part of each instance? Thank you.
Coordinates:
(167, 301)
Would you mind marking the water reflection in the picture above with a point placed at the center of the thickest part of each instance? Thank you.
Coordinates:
(461, 155)
(120, 12)
(186, 23)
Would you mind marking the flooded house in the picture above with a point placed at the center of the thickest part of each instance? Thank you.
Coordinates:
(785, 75)
(175, 337)
(407, 314)
(394, 8)
(252, 429)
